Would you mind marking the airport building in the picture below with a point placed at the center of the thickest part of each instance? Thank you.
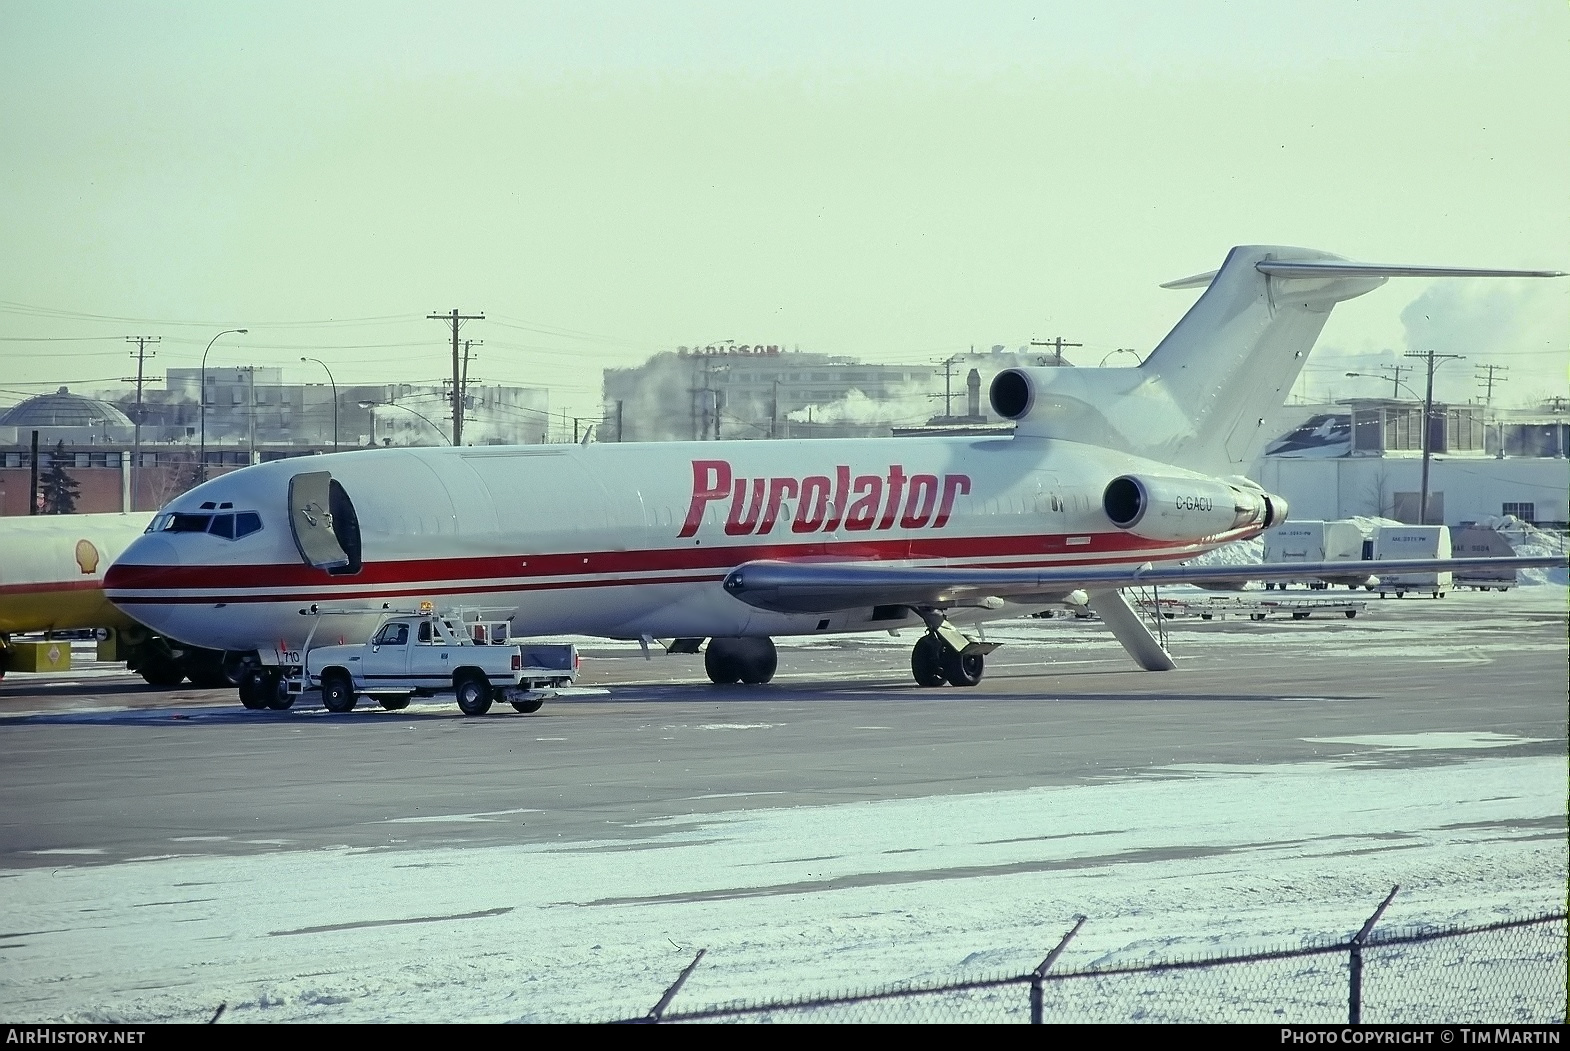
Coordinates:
(1364, 456)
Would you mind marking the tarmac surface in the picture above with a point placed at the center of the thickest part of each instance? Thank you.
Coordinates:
(99, 768)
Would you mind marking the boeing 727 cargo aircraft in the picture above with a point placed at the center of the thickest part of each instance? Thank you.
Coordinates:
(1113, 478)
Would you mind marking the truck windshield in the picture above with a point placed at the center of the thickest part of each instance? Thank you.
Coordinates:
(392, 635)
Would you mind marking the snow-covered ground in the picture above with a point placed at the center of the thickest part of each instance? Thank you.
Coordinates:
(787, 902)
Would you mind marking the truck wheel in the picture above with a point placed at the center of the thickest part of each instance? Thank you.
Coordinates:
(527, 707)
(474, 693)
(394, 703)
(337, 692)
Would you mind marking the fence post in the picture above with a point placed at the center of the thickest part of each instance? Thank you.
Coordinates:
(658, 1010)
(1038, 976)
(1355, 993)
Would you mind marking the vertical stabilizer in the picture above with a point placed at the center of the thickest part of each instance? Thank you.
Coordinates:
(1200, 399)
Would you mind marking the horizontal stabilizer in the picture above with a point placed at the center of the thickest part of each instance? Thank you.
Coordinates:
(1308, 268)
(1339, 268)
(1197, 281)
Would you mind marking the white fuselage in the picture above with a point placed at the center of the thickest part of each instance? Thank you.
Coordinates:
(629, 541)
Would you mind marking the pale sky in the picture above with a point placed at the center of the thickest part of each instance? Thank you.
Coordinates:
(892, 180)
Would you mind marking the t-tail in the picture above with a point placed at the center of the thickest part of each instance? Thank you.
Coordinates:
(1201, 398)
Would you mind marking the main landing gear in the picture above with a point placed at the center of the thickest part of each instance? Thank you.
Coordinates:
(946, 655)
(740, 660)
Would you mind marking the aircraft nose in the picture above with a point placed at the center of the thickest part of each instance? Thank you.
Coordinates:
(156, 551)
(144, 554)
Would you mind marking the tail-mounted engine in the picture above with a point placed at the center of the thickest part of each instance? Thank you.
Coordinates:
(1188, 508)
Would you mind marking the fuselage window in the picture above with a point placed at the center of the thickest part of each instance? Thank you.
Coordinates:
(246, 523)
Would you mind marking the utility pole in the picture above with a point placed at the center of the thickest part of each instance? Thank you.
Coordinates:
(465, 384)
(1057, 345)
(141, 356)
(948, 384)
(250, 412)
(1488, 381)
(455, 319)
(1393, 374)
(1434, 361)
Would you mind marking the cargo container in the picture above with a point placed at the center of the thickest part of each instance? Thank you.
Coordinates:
(1312, 540)
(1407, 541)
(1473, 541)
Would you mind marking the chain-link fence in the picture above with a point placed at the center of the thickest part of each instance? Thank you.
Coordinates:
(1508, 972)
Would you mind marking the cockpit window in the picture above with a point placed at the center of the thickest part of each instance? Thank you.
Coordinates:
(187, 523)
(228, 526)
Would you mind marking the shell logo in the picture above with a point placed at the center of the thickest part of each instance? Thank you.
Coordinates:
(87, 556)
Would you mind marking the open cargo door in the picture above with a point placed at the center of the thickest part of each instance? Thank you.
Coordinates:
(326, 529)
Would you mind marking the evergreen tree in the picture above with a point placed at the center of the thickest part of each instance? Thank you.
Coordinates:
(59, 489)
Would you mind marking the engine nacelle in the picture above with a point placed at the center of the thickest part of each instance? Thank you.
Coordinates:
(1188, 508)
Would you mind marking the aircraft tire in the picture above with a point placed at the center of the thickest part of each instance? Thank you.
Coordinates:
(757, 661)
(720, 663)
(527, 707)
(394, 703)
(248, 692)
(272, 691)
(164, 673)
(962, 669)
(926, 661)
(337, 692)
(474, 693)
(205, 669)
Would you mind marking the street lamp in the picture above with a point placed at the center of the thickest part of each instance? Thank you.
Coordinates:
(201, 456)
(334, 382)
(371, 406)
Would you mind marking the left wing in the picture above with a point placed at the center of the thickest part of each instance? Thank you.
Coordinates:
(824, 587)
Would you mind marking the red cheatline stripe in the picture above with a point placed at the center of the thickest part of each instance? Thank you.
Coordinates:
(123, 577)
(405, 591)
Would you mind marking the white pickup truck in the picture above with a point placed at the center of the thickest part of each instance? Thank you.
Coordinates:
(423, 654)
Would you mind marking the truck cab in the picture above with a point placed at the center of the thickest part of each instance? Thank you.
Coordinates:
(420, 653)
